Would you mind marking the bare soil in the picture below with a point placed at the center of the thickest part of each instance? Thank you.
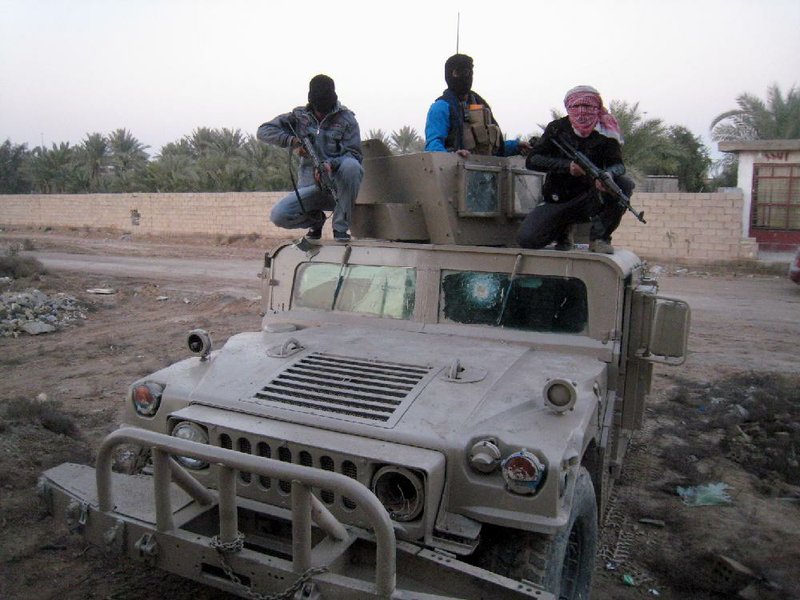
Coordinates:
(730, 415)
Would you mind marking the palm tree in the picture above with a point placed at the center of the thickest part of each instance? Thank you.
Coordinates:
(648, 149)
(378, 134)
(268, 165)
(406, 140)
(12, 157)
(693, 159)
(52, 171)
(776, 119)
(171, 173)
(127, 158)
(92, 159)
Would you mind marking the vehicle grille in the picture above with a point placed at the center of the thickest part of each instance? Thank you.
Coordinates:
(276, 491)
(353, 389)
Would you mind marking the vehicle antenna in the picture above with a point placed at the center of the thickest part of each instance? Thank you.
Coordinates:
(458, 29)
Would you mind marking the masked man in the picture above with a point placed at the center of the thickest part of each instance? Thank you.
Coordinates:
(336, 137)
(570, 196)
(461, 121)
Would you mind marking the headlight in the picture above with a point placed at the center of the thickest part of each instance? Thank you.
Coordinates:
(560, 395)
(186, 430)
(400, 491)
(147, 398)
(523, 472)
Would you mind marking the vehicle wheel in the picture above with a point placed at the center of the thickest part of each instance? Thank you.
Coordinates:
(130, 459)
(561, 563)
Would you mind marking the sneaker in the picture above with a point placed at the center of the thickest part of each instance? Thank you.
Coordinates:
(564, 246)
(601, 246)
(341, 236)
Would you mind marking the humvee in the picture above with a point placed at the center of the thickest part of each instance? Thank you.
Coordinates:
(427, 411)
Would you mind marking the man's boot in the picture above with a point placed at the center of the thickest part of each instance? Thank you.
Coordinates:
(565, 241)
(601, 246)
(315, 232)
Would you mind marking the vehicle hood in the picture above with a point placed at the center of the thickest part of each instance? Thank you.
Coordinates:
(393, 385)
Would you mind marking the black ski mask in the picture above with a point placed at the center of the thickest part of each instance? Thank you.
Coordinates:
(322, 94)
(461, 81)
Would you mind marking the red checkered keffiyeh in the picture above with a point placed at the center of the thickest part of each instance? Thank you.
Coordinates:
(586, 113)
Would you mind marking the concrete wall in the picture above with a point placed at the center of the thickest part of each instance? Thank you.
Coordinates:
(158, 214)
(680, 226)
(688, 227)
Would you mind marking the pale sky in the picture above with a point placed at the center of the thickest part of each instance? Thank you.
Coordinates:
(161, 68)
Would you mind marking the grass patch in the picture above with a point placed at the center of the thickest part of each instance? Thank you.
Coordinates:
(46, 413)
(18, 267)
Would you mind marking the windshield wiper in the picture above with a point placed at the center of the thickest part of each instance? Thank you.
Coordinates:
(339, 281)
(514, 273)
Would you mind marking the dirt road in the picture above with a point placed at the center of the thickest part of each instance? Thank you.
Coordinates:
(745, 331)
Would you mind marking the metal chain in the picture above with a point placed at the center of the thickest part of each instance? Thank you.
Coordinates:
(236, 545)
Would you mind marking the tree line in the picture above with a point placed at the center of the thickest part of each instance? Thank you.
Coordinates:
(224, 160)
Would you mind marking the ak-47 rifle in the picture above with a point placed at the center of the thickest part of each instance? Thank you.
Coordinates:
(325, 181)
(594, 172)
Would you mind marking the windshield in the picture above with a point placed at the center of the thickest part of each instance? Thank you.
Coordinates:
(369, 290)
(529, 302)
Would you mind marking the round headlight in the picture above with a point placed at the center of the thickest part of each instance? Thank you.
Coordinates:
(560, 395)
(147, 398)
(186, 430)
(400, 491)
(523, 472)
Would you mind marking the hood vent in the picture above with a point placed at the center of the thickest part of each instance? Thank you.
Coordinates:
(352, 389)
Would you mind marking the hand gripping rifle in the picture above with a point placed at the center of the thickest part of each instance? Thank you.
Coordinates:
(325, 181)
(594, 172)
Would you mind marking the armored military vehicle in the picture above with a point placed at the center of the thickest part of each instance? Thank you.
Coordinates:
(426, 412)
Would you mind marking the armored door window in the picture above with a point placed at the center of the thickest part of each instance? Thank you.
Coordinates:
(363, 289)
(481, 191)
(527, 191)
(528, 302)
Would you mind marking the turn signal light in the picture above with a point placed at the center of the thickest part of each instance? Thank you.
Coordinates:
(147, 398)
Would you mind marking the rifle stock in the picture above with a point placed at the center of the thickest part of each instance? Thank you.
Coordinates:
(596, 173)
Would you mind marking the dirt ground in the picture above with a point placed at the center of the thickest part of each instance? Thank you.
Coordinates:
(730, 415)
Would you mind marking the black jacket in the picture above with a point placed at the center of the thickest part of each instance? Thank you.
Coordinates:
(559, 185)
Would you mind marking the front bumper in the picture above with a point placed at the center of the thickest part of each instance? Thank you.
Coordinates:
(172, 522)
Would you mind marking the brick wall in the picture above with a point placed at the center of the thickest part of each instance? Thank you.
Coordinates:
(680, 226)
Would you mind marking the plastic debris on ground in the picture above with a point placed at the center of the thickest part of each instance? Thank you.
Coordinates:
(710, 494)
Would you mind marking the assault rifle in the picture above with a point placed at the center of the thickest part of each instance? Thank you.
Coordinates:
(325, 181)
(595, 173)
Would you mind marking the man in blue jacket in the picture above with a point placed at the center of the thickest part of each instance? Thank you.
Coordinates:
(335, 135)
(461, 121)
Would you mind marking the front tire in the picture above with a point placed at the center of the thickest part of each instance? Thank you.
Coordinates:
(562, 563)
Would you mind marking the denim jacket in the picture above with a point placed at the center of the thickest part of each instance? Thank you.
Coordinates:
(336, 137)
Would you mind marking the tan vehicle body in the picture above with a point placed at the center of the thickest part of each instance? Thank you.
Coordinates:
(360, 441)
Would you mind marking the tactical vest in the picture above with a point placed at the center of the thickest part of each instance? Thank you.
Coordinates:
(480, 134)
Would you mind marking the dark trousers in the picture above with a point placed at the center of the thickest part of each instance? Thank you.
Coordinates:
(550, 221)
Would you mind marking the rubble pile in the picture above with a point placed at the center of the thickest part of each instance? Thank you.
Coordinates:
(34, 312)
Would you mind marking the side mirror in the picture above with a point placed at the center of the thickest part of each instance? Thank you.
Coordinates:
(669, 332)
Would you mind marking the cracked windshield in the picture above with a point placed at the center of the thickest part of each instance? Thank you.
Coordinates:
(533, 303)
